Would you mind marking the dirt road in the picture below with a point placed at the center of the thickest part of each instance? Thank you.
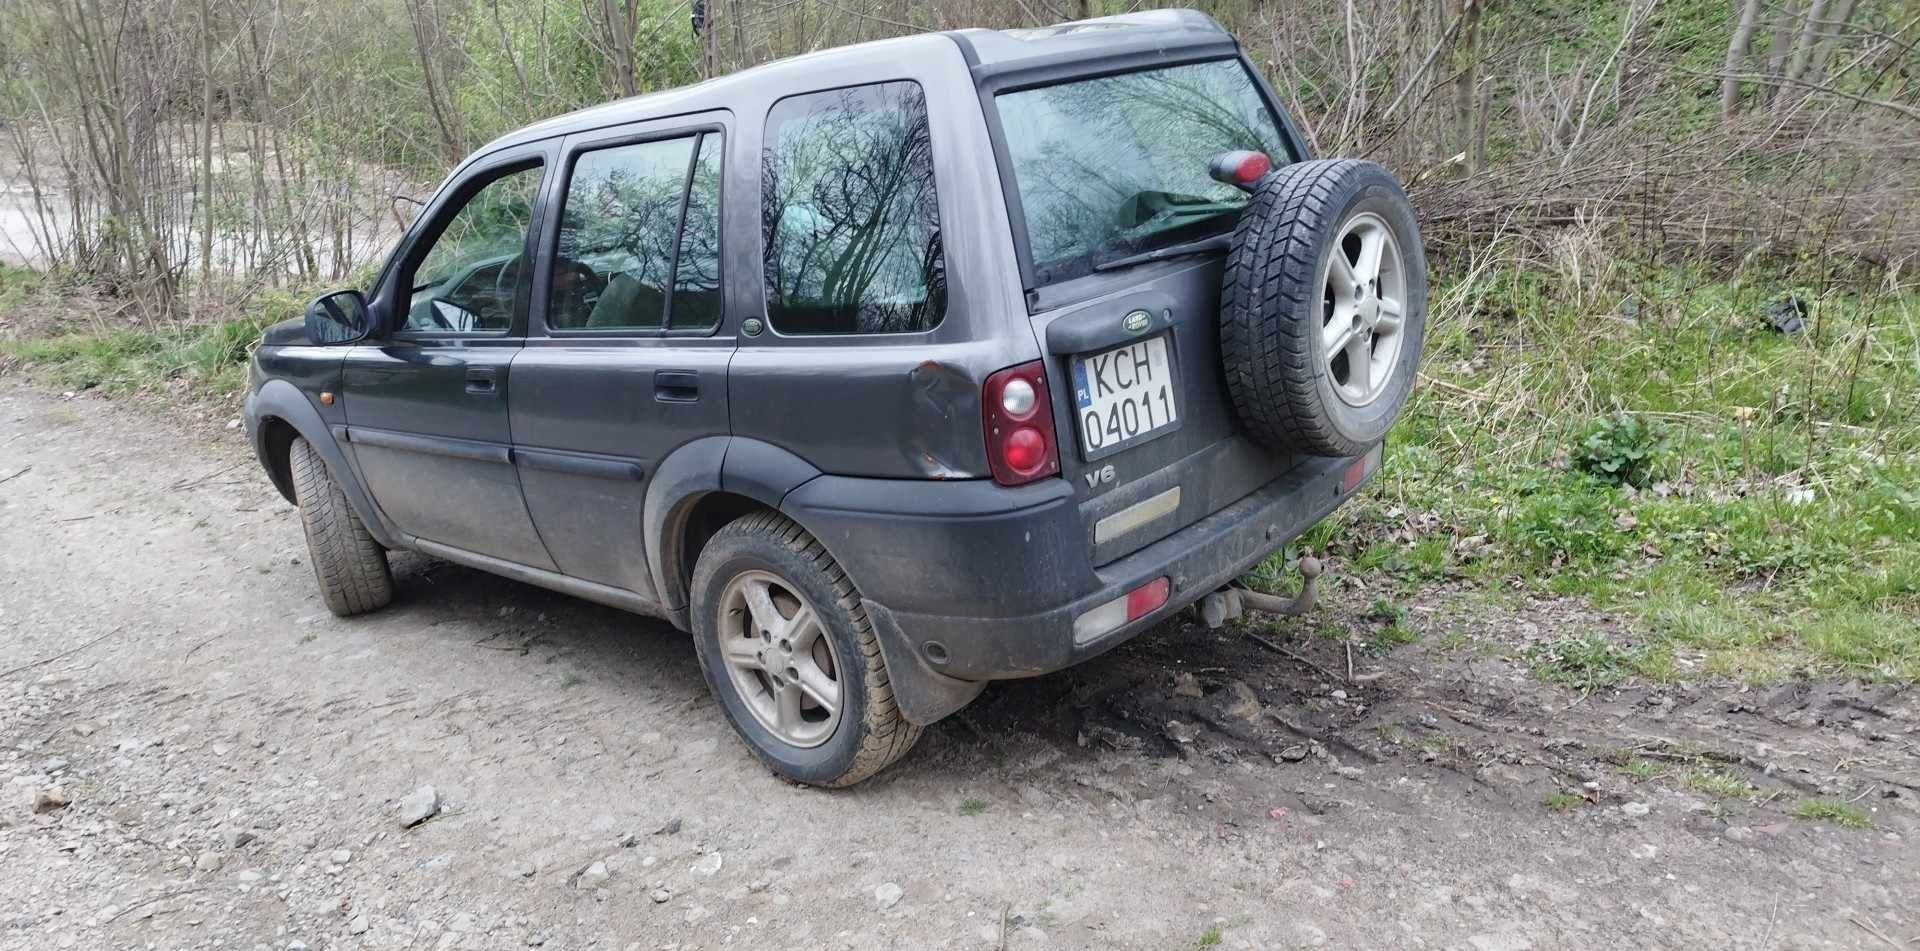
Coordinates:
(235, 758)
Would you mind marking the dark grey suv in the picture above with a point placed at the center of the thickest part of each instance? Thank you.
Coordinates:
(887, 371)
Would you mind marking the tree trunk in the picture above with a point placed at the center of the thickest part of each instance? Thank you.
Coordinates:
(1829, 38)
(206, 144)
(1737, 55)
(1781, 46)
(1467, 77)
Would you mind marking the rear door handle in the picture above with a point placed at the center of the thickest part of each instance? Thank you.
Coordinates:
(676, 386)
(480, 380)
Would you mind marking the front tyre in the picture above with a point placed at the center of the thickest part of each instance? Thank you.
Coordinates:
(787, 649)
(350, 566)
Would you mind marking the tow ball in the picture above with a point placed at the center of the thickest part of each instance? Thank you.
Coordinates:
(1232, 601)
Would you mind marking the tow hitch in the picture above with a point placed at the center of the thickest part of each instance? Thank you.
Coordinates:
(1232, 601)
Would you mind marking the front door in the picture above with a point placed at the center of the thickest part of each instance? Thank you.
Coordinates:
(626, 360)
(426, 408)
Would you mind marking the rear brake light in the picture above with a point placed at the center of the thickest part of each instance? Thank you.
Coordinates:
(1019, 425)
(1239, 169)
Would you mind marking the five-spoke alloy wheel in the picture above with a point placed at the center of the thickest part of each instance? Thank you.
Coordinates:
(786, 646)
(778, 658)
(1365, 287)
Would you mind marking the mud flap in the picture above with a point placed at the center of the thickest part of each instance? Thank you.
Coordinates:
(924, 695)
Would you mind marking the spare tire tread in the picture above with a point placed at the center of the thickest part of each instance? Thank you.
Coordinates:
(1264, 266)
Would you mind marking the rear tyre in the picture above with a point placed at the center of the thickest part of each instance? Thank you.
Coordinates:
(1324, 308)
(350, 566)
(787, 649)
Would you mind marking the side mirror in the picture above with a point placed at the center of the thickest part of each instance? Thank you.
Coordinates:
(337, 317)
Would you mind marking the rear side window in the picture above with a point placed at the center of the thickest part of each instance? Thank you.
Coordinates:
(640, 220)
(852, 227)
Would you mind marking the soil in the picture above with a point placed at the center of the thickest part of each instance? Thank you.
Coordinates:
(234, 762)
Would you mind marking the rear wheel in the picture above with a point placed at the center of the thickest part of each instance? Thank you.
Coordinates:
(789, 652)
(1324, 306)
(350, 566)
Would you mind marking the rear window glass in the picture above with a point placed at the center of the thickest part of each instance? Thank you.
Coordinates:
(1117, 165)
(852, 224)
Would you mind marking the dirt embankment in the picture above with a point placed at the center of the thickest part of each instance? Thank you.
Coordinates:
(233, 761)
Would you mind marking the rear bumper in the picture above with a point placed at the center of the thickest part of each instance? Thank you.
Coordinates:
(972, 582)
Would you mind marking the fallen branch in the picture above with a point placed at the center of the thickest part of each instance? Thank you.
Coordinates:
(65, 653)
(1269, 645)
(23, 471)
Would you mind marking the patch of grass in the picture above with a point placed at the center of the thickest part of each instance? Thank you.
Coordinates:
(1832, 810)
(571, 679)
(1643, 769)
(1749, 499)
(1582, 663)
(199, 361)
(1385, 639)
(1209, 938)
(1563, 801)
(1718, 783)
(972, 807)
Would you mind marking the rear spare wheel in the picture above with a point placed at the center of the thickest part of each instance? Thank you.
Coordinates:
(1323, 307)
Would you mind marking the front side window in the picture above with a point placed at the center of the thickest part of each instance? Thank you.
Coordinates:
(625, 262)
(469, 278)
(1116, 165)
(852, 227)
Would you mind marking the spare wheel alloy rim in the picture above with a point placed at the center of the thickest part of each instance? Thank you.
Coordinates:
(779, 658)
(1363, 309)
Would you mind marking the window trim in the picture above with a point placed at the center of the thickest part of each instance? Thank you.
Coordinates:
(569, 159)
(766, 249)
(469, 185)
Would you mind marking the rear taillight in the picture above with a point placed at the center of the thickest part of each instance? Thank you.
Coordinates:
(1019, 425)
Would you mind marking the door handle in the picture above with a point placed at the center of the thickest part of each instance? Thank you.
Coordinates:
(676, 386)
(480, 381)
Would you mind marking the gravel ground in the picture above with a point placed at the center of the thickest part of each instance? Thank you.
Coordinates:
(238, 768)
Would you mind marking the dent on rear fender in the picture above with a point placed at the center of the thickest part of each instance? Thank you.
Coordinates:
(943, 406)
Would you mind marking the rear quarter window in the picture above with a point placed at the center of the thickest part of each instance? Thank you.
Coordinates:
(850, 217)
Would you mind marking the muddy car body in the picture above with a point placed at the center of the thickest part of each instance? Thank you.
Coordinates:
(866, 376)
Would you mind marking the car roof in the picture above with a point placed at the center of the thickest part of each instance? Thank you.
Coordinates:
(988, 51)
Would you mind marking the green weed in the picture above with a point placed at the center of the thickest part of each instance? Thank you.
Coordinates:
(1621, 448)
(1582, 663)
(1834, 811)
(1717, 783)
(972, 807)
(1563, 801)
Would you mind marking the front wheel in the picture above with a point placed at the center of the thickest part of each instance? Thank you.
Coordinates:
(350, 566)
(789, 652)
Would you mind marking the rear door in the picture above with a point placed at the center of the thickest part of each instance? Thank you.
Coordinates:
(1122, 236)
(426, 408)
(627, 360)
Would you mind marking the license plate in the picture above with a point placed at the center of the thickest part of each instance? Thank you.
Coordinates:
(1124, 396)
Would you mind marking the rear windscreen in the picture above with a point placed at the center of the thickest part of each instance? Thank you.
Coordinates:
(1113, 166)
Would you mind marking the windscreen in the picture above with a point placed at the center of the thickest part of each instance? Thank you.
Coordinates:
(1117, 165)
